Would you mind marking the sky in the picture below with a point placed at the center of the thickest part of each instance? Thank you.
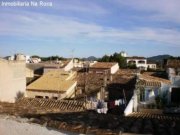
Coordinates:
(82, 28)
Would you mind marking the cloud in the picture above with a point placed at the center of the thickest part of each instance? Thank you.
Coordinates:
(38, 25)
(79, 6)
(165, 36)
(162, 10)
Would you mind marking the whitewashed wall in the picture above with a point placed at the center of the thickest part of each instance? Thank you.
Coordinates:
(69, 66)
(114, 68)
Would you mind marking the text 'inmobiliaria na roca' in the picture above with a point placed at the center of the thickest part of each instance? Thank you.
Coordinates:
(26, 4)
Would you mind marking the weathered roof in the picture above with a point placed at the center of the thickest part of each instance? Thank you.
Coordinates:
(34, 66)
(173, 63)
(124, 75)
(53, 81)
(151, 62)
(142, 82)
(61, 64)
(135, 57)
(93, 81)
(148, 80)
(50, 104)
(104, 65)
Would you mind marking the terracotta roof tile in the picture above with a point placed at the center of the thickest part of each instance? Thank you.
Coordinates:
(154, 79)
(105, 65)
(135, 57)
(52, 81)
(173, 63)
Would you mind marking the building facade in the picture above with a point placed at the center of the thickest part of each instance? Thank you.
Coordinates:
(173, 71)
(140, 62)
(53, 85)
(12, 80)
(151, 65)
(102, 67)
(61, 66)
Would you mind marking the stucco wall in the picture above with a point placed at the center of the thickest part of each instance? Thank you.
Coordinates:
(12, 79)
(114, 68)
(144, 65)
(69, 66)
(29, 73)
(59, 95)
(33, 94)
(152, 66)
(132, 105)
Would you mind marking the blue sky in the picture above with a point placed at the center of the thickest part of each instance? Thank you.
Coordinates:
(92, 27)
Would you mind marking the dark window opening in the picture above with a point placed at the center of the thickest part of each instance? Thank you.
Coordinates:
(46, 97)
(175, 95)
(55, 98)
(38, 96)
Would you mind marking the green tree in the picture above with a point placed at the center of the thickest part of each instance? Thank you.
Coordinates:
(116, 57)
(105, 58)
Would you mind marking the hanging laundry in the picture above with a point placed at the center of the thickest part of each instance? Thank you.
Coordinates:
(116, 102)
(111, 104)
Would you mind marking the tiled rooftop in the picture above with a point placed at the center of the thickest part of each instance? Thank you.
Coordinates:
(135, 57)
(53, 81)
(148, 83)
(105, 65)
(93, 81)
(60, 105)
(173, 63)
(26, 106)
(61, 64)
(150, 78)
(77, 120)
(98, 124)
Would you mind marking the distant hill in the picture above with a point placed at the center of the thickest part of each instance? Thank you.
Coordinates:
(158, 58)
(91, 58)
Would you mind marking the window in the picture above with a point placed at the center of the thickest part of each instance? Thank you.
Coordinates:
(38, 96)
(55, 98)
(142, 95)
(141, 62)
(175, 95)
(132, 62)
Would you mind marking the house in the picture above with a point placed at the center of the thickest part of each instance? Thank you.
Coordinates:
(140, 62)
(150, 87)
(90, 85)
(106, 86)
(54, 85)
(78, 63)
(101, 67)
(173, 71)
(60, 65)
(151, 65)
(12, 79)
(35, 60)
(123, 53)
(148, 91)
(83, 64)
(19, 57)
